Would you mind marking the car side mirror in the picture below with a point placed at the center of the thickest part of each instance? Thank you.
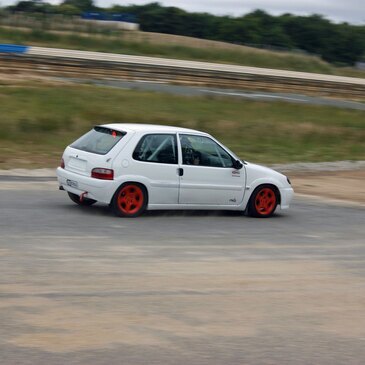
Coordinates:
(237, 164)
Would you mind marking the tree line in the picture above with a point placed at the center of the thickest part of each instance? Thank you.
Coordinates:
(341, 44)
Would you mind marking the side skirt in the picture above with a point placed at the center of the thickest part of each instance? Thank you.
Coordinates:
(194, 207)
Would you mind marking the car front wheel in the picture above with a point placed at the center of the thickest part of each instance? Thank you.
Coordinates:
(130, 200)
(263, 202)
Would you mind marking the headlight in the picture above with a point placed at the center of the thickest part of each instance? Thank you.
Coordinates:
(288, 180)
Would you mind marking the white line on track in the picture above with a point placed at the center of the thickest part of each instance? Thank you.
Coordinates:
(254, 95)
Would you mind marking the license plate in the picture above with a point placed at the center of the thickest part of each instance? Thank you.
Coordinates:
(72, 183)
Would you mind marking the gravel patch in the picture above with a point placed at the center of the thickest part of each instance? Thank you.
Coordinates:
(320, 166)
(29, 173)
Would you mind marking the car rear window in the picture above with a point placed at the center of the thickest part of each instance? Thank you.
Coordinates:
(99, 140)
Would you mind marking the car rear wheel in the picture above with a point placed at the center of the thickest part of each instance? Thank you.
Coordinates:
(85, 201)
(263, 202)
(130, 200)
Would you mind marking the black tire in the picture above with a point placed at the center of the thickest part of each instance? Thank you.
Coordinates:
(263, 201)
(130, 200)
(76, 199)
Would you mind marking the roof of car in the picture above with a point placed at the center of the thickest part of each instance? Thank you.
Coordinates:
(135, 127)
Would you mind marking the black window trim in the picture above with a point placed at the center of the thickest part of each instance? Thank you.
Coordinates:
(212, 139)
(174, 135)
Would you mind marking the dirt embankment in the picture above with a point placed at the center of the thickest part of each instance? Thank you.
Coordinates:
(342, 185)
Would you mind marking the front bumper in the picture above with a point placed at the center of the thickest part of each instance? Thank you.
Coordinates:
(286, 197)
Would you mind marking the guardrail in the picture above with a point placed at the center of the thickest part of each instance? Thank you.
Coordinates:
(65, 62)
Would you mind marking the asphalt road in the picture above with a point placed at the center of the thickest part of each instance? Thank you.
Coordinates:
(80, 286)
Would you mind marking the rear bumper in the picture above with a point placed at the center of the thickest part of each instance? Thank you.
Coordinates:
(286, 197)
(99, 190)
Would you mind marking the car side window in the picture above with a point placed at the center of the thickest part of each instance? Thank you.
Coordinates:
(203, 151)
(160, 148)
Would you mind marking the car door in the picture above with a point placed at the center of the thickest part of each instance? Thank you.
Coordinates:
(207, 173)
(155, 157)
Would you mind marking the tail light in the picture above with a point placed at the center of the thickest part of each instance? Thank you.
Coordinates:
(102, 174)
(62, 163)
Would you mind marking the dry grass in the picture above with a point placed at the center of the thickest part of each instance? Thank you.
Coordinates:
(38, 121)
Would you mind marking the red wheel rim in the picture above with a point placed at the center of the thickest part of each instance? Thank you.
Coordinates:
(130, 199)
(265, 201)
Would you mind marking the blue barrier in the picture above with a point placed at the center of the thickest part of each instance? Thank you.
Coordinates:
(120, 17)
(12, 48)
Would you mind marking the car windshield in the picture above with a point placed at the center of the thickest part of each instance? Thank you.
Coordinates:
(99, 140)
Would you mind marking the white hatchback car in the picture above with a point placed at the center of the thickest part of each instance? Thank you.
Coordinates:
(134, 167)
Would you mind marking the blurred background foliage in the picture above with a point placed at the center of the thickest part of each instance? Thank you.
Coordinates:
(340, 44)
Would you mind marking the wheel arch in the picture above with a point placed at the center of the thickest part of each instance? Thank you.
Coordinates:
(268, 184)
(132, 181)
(258, 184)
(251, 211)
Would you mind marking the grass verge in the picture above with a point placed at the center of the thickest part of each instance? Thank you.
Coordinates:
(245, 56)
(37, 122)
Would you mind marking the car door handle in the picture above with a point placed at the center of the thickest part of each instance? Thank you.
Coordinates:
(180, 171)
